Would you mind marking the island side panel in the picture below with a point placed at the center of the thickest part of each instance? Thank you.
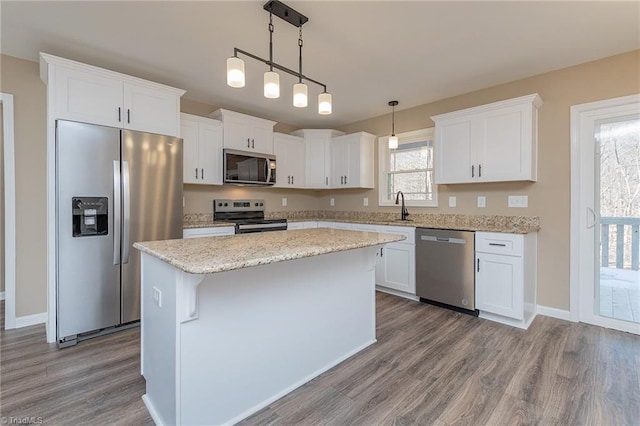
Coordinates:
(158, 338)
(263, 331)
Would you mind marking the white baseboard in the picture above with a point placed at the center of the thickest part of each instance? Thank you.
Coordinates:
(28, 320)
(1, 295)
(554, 313)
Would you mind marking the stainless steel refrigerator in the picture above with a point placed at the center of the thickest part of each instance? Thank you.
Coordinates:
(113, 187)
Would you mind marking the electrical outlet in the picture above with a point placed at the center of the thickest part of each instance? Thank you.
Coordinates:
(452, 201)
(157, 297)
(520, 201)
(284, 202)
(332, 201)
(365, 201)
(482, 201)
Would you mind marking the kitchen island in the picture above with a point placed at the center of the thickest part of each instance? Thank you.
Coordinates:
(232, 323)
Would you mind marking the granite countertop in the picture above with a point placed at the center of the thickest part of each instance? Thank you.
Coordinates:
(460, 222)
(225, 253)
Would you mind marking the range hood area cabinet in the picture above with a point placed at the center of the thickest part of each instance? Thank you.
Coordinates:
(317, 156)
(497, 142)
(202, 141)
(88, 94)
(245, 132)
(290, 158)
(352, 160)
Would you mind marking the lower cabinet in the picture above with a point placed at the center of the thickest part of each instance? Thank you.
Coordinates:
(301, 225)
(208, 232)
(506, 277)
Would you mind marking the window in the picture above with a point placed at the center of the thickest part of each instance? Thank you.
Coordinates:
(409, 169)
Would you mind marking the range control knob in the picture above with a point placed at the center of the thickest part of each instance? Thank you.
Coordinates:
(226, 204)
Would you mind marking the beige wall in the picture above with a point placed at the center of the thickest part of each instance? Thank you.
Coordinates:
(549, 198)
(20, 78)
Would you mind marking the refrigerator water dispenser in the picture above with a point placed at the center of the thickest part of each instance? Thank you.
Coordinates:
(90, 216)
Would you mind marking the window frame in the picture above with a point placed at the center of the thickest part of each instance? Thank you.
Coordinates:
(383, 166)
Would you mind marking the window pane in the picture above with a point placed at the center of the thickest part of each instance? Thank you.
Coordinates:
(413, 185)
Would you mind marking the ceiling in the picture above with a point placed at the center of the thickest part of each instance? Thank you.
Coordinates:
(367, 53)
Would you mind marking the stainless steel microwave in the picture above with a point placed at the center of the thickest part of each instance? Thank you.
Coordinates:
(249, 168)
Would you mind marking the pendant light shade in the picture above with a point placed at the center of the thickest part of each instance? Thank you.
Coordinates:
(271, 85)
(300, 95)
(324, 103)
(235, 72)
(393, 142)
(393, 139)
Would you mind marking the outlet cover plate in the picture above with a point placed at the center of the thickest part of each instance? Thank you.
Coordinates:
(518, 201)
(452, 201)
(482, 201)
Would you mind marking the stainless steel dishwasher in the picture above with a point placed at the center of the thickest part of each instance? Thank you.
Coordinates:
(445, 273)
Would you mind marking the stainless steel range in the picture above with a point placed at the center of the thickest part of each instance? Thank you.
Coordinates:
(248, 216)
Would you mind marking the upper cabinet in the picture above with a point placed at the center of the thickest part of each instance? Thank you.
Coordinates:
(244, 132)
(352, 161)
(202, 149)
(289, 151)
(317, 156)
(89, 94)
(496, 142)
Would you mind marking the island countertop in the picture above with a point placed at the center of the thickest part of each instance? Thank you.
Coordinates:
(225, 253)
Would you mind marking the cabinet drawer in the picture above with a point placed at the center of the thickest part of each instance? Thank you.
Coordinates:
(499, 243)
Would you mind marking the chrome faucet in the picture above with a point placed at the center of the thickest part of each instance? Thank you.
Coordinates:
(404, 213)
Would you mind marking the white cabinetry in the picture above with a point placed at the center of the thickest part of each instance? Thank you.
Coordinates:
(396, 262)
(202, 149)
(244, 132)
(89, 94)
(506, 277)
(491, 143)
(317, 156)
(289, 151)
(301, 225)
(352, 161)
(208, 232)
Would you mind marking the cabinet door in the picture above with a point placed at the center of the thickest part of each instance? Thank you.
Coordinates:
(454, 151)
(318, 155)
(339, 164)
(281, 147)
(262, 139)
(88, 97)
(499, 285)
(236, 134)
(395, 267)
(191, 156)
(296, 162)
(352, 164)
(504, 144)
(149, 109)
(210, 135)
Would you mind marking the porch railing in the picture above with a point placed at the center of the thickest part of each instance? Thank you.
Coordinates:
(626, 244)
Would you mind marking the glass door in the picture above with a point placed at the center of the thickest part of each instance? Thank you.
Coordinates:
(617, 202)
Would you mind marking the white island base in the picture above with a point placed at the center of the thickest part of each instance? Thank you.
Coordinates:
(218, 347)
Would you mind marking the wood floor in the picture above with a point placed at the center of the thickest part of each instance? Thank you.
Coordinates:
(430, 367)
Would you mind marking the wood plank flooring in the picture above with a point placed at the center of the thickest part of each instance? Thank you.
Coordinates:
(430, 366)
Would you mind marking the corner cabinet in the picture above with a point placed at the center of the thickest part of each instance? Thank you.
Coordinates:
(245, 132)
(202, 149)
(317, 162)
(289, 152)
(506, 277)
(89, 94)
(496, 142)
(352, 161)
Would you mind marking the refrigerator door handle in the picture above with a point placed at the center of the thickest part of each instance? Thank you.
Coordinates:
(117, 212)
(126, 211)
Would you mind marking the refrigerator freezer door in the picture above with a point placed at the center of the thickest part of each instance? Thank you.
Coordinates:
(152, 204)
(88, 281)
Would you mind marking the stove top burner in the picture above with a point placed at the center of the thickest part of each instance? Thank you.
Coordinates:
(248, 216)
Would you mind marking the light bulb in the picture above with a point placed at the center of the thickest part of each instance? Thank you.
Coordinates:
(271, 85)
(393, 142)
(324, 103)
(235, 72)
(300, 95)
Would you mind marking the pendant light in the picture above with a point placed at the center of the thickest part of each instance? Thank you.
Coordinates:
(393, 139)
(271, 79)
(271, 90)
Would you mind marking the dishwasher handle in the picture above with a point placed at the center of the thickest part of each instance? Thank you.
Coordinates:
(443, 239)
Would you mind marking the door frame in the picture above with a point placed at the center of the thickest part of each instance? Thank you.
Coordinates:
(583, 116)
(9, 211)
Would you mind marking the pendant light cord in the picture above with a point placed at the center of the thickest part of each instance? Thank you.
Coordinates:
(270, 41)
(300, 57)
